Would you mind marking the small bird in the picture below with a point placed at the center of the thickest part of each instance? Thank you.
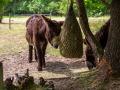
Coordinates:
(42, 81)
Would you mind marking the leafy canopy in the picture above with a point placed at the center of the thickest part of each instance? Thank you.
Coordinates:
(93, 7)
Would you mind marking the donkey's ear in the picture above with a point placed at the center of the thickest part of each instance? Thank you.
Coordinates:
(61, 22)
(47, 20)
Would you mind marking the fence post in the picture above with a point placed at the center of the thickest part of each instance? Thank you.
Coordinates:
(50, 15)
(9, 21)
(1, 77)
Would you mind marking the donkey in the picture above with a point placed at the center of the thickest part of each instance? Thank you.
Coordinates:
(39, 31)
(102, 36)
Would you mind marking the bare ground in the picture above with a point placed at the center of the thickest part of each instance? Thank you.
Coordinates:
(62, 71)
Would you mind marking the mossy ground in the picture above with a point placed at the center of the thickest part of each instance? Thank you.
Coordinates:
(91, 80)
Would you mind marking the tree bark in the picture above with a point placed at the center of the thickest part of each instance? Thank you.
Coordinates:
(111, 59)
(96, 46)
(112, 51)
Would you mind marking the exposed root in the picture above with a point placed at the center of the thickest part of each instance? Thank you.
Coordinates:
(105, 69)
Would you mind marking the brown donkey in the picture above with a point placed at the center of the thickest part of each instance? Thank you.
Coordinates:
(102, 36)
(40, 30)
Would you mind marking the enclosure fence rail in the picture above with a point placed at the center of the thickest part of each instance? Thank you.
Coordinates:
(24, 15)
(9, 21)
(1, 77)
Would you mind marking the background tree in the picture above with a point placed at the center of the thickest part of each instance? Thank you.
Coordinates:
(53, 6)
(2, 8)
(110, 61)
(94, 8)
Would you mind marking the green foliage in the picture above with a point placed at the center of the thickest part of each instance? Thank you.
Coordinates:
(3, 2)
(94, 8)
(64, 6)
(2, 7)
(53, 6)
(36, 6)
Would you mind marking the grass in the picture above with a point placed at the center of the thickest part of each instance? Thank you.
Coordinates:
(13, 40)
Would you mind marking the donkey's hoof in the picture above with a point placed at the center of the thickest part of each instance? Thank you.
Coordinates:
(39, 69)
(44, 66)
(29, 60)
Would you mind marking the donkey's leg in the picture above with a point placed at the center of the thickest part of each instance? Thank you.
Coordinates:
(43, 51)
(39, 57)
(35, 54)
(30, 54)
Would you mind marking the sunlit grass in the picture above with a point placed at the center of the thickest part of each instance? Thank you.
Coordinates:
(95, 26)
(52, 51)
(12, 40)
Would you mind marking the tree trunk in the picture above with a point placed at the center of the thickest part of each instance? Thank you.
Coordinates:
(0, 17)
(111, 58)
(1, 77)
(1, 13)
(112, 51)
(96, 46)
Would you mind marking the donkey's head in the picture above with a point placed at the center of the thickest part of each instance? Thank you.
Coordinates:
(53, 30)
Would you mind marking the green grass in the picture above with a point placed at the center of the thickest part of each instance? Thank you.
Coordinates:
(12, 40)
(95, 26)
(52, 51)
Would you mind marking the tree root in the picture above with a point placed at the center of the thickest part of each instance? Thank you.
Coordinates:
(104, 69)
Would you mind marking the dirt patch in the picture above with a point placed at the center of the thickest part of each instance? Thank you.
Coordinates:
(62, 71)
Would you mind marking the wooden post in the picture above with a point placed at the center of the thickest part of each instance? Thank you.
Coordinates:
(9, 21)
(1, 77)
(50, 15)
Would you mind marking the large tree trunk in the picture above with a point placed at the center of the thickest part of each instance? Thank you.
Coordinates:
(112, 51)
(96, 46)
(111, 58)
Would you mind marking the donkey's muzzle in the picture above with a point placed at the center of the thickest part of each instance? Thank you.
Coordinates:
(55, 45)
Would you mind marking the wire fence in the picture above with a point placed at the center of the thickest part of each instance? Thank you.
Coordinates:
(10, 19)
(17, 21)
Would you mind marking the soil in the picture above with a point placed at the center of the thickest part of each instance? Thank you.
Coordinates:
(62, 71)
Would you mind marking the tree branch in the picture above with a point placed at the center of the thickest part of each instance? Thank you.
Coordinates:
(96, 46)
(105, 3)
